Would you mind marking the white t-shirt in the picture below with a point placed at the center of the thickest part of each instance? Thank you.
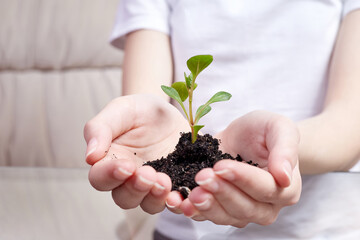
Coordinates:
(270, 54)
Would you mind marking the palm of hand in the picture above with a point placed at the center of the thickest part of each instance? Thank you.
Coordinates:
(248, 140)
(153, 129)
(256, 135)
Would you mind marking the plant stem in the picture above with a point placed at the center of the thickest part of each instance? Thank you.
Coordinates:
(191, 119)
(191, 90)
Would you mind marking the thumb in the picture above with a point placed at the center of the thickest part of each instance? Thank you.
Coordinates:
(282, 143)
(115, 119)
(281, 165)
(98, 138)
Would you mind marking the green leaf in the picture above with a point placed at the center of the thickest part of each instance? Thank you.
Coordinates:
(204, 109)
(182, 90)
(171, 92)
(196, 130)
(219, 97)
(198, 63)
(188, 80)
(201, 111)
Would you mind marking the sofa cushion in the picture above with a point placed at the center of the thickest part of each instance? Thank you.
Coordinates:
(38, 34)
(42, 114)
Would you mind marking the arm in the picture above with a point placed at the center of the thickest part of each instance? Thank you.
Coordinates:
(147, 63)
(330, 141)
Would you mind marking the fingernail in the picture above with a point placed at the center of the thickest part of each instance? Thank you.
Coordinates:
(169, 206)
(287, 169)
(121, 173)
(158, 189)
(226, 174)
(209, 184)
(202, 205)
(91, 147)
(143, 184)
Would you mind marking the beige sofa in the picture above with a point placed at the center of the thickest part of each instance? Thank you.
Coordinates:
(57, 70)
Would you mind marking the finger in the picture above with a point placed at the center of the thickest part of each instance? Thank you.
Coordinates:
(154, 202)
(282, 141)
(133, 191)
(173, 202)
(256, 182)
(209, 207)
(188, 208)
(190, 211)
(115, 119)
(110, 173)
(234, 201)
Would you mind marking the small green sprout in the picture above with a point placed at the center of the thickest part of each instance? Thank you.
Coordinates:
(180, 91)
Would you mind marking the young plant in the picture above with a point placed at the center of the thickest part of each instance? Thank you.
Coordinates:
(180, 91)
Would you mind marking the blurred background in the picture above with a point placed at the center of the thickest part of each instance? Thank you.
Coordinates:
(57, 70)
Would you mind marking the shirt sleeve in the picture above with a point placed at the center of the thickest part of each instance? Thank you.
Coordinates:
(349, 6)
(134, 15)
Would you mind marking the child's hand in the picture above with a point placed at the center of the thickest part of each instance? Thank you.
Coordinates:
(129, 131)
(235, 193)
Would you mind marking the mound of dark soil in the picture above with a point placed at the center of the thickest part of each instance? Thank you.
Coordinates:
(189, 158)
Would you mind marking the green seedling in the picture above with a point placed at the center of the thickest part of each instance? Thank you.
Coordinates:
(180, 91)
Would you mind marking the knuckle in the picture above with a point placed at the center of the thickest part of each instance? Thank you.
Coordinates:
(219, 222)
(199, 218)
(152, 209)
(268, 197)
(293, 200)
(249, 213)
(222, 220)
(122, 202)
(125, 204)
(240, 224)
(95, 183)
(256, 210)
(269, 219)
(97, 186)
